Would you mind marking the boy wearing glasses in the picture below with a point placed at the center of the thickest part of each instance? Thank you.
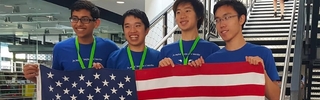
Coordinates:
(82, 51)
(230, 17)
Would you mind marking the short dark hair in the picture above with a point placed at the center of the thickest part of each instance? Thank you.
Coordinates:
(138, 14)
(87, 5)
(238, 6)
(197, 6)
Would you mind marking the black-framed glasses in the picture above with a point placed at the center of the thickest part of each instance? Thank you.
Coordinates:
(84, 20)
(218, 20)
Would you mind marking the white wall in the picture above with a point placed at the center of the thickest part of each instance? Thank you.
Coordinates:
(152, 9)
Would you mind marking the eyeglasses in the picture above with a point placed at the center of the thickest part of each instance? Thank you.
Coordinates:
(218, 20)
(84, 20)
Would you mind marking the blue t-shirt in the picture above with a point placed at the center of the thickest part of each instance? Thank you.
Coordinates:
(65, 55)
(239, 55)
(203, 48)
(119, 59)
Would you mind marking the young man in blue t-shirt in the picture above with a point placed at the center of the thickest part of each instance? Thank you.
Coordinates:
(230, 17)
(189, 15)
(82, 51)
(136, 55)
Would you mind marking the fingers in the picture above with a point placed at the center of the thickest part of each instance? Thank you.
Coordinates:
(193, 64)
(30, 71)
(254, 60)
(202, 60)
(30, 75)
(97, 65)
(197, 63)
(166, 62)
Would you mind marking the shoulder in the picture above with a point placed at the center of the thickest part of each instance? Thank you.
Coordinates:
(169, 47)
(107, 44)
(153, 51)
(105, 41)
(208, 44)
(117, 53)
(258, 48)
(205, 42)
(65, 43)
(218, 52)
(174, 44)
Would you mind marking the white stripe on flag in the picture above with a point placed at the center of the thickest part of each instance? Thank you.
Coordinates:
(202, 80)
(216, 98)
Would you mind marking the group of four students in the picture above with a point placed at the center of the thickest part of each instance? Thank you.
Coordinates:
(86, 51)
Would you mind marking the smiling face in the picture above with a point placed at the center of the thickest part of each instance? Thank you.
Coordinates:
(228, 24)
(186, 17)
(134, 30)
(82, 23)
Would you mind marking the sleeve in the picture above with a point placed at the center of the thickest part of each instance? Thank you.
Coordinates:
(110, 62)
(158, 59)
(161, 54)
(215, 48)
(270, 66)
(112, 46)
(55, 59)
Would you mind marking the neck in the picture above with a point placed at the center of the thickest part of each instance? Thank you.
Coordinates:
(137, 48)
(85, 40)
(235, 43)
(189, 35)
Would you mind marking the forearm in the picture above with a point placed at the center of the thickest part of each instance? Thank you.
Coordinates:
(272, 90)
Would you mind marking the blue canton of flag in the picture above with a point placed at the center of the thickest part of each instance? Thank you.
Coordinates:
(89, 84)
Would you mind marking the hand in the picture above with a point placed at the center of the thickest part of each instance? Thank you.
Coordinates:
(97, 65)
(166, 62)
(30, 72)
(197, 63)
(254, 60)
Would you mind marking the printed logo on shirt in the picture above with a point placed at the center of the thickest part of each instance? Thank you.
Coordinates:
(87, 59)
(145, 66)
(185, 54)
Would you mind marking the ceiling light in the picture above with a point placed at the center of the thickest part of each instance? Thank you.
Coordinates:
(5, 25)
(120, 2)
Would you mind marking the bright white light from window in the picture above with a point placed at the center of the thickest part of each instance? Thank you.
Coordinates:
(120, 2)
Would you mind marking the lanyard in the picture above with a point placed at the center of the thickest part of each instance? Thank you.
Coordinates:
(93, 48)
(185, 59)
(142, 58)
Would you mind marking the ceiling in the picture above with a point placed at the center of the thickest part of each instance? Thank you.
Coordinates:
(42, 16)
(113, 6)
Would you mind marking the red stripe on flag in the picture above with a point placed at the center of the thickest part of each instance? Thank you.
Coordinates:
(205, 69)
(207, 91)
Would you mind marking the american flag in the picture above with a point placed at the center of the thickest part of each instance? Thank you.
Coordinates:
(224, 81)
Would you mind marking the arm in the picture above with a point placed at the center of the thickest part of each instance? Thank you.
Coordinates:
(163, 60)
(111, 62)
(271, 76)
(55, 59)
(113, 48)
(272, 90)
(161, 55)
(215, 48)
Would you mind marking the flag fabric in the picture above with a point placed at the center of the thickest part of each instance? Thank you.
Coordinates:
(223, 81)
(89, 84)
